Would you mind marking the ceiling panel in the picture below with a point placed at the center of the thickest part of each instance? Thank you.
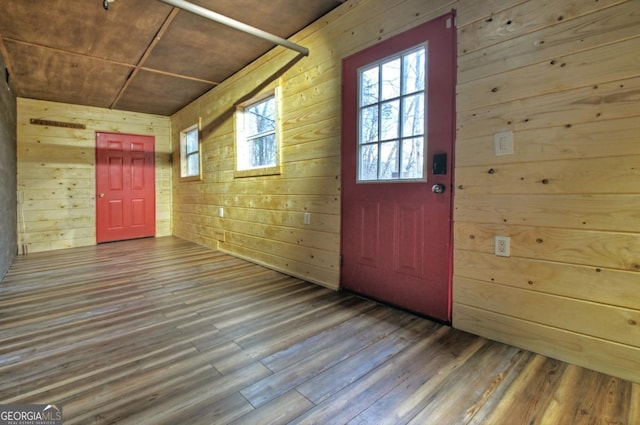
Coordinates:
(280, 17)
(139, 55)
(58, 76)
(161, 94)
(221, 50)
(120, 34)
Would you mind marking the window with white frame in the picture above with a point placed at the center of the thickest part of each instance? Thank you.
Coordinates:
(190, 152)
(391, 113)
(258, 136)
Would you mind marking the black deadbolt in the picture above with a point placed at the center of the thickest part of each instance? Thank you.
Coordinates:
(439, 163)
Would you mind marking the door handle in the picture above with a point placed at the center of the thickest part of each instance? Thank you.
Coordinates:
(100, 195)
(438, 188)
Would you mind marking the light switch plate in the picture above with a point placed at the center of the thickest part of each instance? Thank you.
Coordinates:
(503, 142)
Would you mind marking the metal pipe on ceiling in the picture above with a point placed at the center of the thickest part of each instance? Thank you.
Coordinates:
(230, 22)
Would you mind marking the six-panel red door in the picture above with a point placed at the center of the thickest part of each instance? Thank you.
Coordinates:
(396, 235)
(125, 184)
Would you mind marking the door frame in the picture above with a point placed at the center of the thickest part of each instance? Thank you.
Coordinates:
(451, 163)
(152, 232)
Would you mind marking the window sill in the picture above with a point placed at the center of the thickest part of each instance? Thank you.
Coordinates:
(191, 179)
(258, 172)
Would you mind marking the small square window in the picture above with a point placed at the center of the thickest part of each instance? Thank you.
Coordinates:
(258, 137)
(190, 152)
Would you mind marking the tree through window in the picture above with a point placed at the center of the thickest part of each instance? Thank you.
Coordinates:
(257, 143)
(190, 152)
(392, 111)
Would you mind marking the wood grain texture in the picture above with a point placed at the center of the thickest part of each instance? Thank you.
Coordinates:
(589, 212)
(606, 322)
(56, 171)
(588, 104)
(597, 284)
(591, 248)
(559, 343)
(164, 331)
(524, 38)
(552, 76)
(557, 75)
(601, 139)
(585, 32)
(519, 19)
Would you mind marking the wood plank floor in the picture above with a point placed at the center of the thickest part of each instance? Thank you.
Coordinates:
(162, 331)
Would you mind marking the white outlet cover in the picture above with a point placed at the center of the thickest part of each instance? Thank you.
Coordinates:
(502, 247)
(307, 218)
(503, 143)
(221, 212)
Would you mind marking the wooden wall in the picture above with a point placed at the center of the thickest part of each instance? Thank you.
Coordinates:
(56, 171)
(8, 212)
(564, 76)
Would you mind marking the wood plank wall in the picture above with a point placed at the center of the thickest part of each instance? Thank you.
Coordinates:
(56, 171)
(564, 76)
(8, 212)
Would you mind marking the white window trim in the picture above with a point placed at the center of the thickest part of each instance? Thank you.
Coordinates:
(397, 55)
(183, 153)
(240, 138)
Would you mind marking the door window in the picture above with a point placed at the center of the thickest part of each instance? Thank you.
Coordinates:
(391, 115)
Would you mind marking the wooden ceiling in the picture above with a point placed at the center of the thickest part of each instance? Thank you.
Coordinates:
(139, 55)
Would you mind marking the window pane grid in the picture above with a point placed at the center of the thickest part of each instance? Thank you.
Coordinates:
(259, 135)
(392, 118)
(193, 164)
(257, 144)
(190, 152)
(192, 140)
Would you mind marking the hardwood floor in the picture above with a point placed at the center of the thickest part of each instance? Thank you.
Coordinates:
(162, 331)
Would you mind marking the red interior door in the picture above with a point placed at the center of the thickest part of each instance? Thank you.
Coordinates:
(396, 230)
(125, 183)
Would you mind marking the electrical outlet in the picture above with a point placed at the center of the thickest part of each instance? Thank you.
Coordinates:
(502, 246)
(221, 212)
(307, 218)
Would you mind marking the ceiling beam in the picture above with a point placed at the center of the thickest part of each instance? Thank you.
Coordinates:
(230, 22)
(182, 77)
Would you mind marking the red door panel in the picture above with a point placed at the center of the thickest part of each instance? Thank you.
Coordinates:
(369, 217)
(408, 252)
(396, 235)
(125, 183)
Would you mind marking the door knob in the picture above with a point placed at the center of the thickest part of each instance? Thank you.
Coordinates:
(101, 195)
(438, 188)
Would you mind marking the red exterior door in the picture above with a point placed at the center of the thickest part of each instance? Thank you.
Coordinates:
(396, 230)
(125, 183)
